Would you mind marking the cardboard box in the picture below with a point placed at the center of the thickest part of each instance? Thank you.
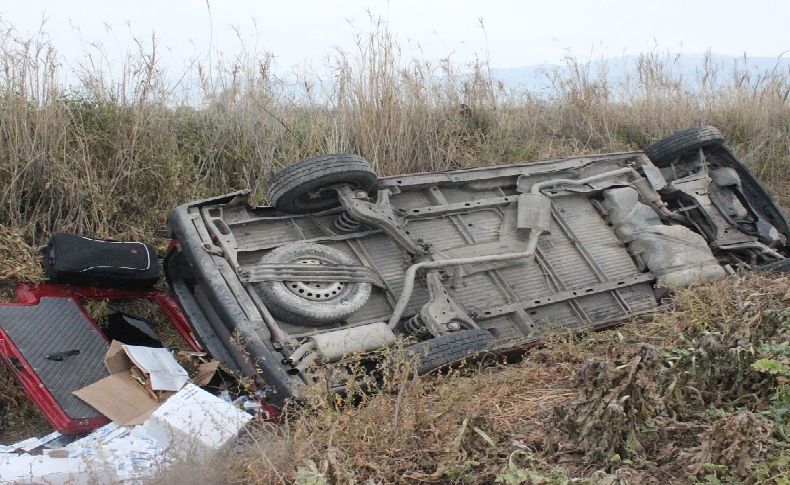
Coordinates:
(195, 421)
(199, 365)
(140, 377)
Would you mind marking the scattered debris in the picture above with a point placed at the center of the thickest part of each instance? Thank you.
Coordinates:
(190, 421)
(159, 367)
(130, 330)
(199, 365)
(30, 444)
(140, 378)
(197, 421)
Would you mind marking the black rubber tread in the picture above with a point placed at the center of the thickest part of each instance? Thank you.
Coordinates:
(287, 188)
(782, 266)
(303, 167)
(666, 150)
(449, 349)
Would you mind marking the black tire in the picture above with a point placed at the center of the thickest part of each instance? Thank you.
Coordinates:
(666, 150)
(311, 303)
(301, 188)
(781, 266)
(449, 349)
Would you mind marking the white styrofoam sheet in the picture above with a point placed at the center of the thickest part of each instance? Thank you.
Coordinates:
(195, 420)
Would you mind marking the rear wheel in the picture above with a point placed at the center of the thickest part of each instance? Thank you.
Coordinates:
(307, 185)
(663, 152)
(449, 349)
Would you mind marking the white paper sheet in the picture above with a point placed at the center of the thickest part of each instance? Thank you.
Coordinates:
(30, 444)
(166, 374)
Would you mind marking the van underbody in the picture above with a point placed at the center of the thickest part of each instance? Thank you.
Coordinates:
(453, 263)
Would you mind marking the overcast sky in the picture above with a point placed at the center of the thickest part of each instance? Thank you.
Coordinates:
(517, 33)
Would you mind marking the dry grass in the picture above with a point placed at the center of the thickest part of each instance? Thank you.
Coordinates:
(19, 417)
(111, 157)
(551, 416)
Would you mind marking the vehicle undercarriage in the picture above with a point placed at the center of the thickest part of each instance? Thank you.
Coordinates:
(463, 261)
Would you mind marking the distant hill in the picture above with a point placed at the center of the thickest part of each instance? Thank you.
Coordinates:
(537, 77)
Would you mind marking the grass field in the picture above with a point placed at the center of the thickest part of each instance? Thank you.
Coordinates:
(699, 391)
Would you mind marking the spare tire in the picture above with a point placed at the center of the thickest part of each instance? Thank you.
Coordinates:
(306, 186)
(311, 303)
(666, 150)
(449, 349)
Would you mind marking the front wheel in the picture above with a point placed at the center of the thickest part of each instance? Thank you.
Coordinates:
(666, 150)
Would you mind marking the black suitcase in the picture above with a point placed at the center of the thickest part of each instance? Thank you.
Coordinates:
(79, 260)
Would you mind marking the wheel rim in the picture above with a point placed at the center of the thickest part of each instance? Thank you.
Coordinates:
(320, 198)
(317, 199)
(315, 290)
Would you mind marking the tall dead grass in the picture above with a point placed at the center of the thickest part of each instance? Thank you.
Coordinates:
(112, 155)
